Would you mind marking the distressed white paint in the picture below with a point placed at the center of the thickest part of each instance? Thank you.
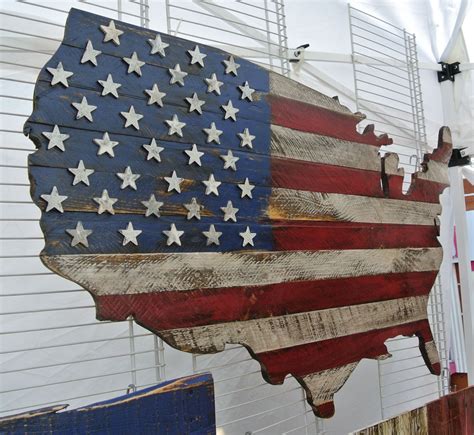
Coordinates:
(282, 87)
(436, 171)
(302, 205)
(311, 147)
(141, 273)
(432, 352)
(324, 384)
(279, 332)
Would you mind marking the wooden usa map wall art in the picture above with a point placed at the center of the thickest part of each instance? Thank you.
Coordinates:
(217, 202)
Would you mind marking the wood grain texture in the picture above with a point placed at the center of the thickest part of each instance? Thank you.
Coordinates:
(286, 204)
(175, 407)
(280, 332)
(412, 422)
(244, 303)
(280, 86)
(325, 354)
(342, 259)
(136, 273)
(452, 414)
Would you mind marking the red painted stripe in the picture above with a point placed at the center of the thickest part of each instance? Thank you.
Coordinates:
(315, 357)
(452, 414)
(176, 309)
(303, 235)
(419, 190)
(318, 177)
(313, 119)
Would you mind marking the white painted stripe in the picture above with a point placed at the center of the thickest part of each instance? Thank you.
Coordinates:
(272, 333)
(436, 171)
(324, 384)
(284, 87)
(310, 147)
(105, 274)
(287, 204)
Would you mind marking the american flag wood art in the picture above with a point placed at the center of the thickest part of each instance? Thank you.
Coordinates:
(217, 202)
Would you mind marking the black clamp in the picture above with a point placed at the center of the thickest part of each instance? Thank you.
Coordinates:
(448, 71)
(458, 158)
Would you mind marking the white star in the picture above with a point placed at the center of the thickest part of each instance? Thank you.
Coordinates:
(60, 75)
(158, 46)
(175, 127)
(247, 91)
(211, 185)
(152, 206)
(54, 200)
(132, 118)
(196, 56)
(173, 182)
(195, 103)
(130, 234)
(134, 64)
(177, 76)
(90, 55)
(230, 111)
(194, 155)
(173, 235)
(111, 33)
(81, 174)
(128, 178)
(84, 109)
(155, 95)
(229, 212)
(247, 237)
(109, 86)
(213, 85)
(56, 138)
(213, 133)
(106, 145)
(105, 203)
(231, 66)
(246, 188)
(153, 150)
(79, 235)
(230, 160)
(194, 209)
(212, 236)
(246, 138)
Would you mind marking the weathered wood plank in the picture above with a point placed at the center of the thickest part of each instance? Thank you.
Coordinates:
(320, 387)
(288, 204)
(312, 119)
(203, 306)
(130, 274)
(279, 236)
(283, 87)
(54, 106)
(87, 27)
(133, 88)
(322, 355)
(452, 414)
(175, 407)
(280, 332)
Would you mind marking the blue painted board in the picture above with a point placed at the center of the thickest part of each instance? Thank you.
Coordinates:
(177, 407)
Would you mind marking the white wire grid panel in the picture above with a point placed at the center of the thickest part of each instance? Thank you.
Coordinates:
(52, 348)
(388, 91)
(255, 30)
